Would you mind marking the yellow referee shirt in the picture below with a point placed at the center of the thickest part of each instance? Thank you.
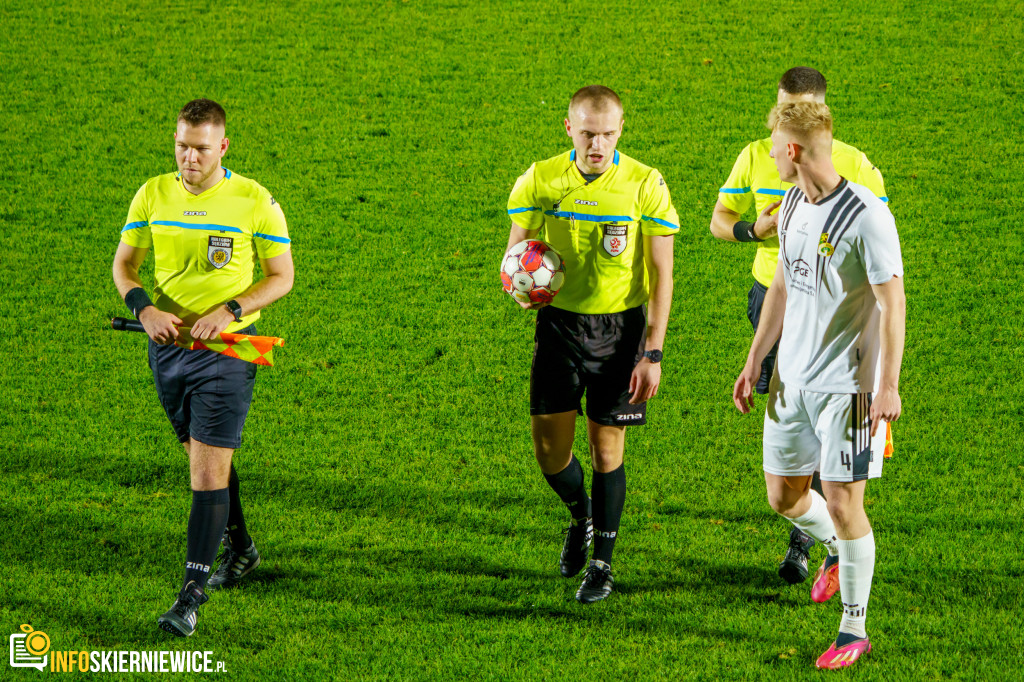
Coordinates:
(755, 179)
(597, 227)
(205, 245)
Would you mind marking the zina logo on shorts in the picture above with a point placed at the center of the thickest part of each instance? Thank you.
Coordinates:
(28, 649)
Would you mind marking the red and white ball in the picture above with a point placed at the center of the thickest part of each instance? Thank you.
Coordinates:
(532, 272)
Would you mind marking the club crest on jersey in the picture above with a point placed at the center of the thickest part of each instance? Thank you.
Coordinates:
(614, 238)
(824, 248)
(219, 251)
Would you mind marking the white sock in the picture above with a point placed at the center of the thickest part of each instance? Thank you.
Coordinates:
(856, 568)
(818, 524)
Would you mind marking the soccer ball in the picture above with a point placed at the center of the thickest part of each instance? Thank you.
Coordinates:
(532, 272)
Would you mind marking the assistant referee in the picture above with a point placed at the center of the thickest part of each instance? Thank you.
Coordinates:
(206, 227)
(612, 220)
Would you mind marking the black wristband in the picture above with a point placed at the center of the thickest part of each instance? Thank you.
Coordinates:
(136, 300)
(744, 232)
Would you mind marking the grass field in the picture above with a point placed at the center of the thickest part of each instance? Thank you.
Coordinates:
(387, 464)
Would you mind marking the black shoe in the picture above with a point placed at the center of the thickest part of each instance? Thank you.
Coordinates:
(576, 547)
(793, 568)
(180, 621)
(597, 583)
(233, 565)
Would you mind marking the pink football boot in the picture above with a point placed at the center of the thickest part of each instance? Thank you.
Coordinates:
(834, 658)
(826, 582)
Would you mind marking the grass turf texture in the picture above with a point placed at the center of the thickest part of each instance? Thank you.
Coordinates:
(387, 470)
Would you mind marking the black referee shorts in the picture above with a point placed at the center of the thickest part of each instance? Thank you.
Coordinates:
(206, 395)
(755, 302)
(575, 354)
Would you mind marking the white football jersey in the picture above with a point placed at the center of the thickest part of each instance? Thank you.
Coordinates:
(832, 252)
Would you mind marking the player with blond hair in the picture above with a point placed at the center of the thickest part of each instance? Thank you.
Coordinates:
(754, 182)
(838, 303)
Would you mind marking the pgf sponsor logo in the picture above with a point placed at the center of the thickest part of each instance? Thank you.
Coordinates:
(31, 649)
(801, 267)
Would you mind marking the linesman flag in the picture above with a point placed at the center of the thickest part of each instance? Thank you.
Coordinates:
(255, 349)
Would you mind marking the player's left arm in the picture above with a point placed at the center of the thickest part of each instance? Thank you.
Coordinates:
(892, 299)
(658, 258)
(279, 275)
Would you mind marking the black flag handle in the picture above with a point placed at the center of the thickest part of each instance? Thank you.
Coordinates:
(122, 324)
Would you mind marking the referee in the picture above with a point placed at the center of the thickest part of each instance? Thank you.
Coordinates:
(206, 227)
(612, 220)
(755, 180)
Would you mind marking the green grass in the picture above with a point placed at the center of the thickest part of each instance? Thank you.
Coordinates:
(387, 469)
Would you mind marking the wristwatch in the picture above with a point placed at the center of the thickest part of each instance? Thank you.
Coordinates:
(235, 309)
(653, 355)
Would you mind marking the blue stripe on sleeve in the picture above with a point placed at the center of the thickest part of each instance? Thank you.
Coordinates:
(569, 215)
(198, 226)
(885, 199)
(138, 224)
(270, 237)
(734, 190)
(773, 192)
(659, 221)
(513, 211)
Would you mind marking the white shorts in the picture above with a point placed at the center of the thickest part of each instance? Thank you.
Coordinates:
(805, 430)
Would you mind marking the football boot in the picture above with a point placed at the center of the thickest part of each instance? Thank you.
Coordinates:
(793, 568)
(597, 583)
(233, 565)
(843, 655)
(576, 547)
(826, 582)
(180, 620)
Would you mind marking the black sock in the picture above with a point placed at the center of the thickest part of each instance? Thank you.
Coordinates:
(816, 483)
(206, 525)
(237, 531)
(568, 484)
(609, 498)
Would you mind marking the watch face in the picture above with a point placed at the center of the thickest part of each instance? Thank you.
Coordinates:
(653, 355)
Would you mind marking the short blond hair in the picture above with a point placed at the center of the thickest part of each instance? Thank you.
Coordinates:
(801, 118)
(601, 98)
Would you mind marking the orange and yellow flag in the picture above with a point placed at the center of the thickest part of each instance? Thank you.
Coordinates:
(254, 349)
(888, 441)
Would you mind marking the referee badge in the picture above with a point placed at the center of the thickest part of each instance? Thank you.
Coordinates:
(219, 251)
(614, 238)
